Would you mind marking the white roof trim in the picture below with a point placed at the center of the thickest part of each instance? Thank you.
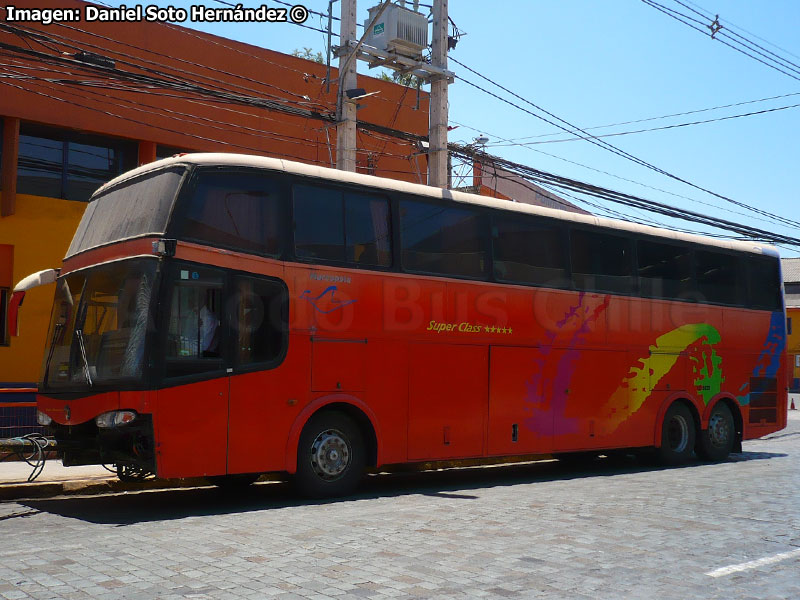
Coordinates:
(287, 166)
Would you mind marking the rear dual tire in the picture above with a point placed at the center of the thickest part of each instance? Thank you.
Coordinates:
(677, 435)
(717, 442)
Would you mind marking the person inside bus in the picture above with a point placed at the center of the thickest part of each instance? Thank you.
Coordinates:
(208, 333)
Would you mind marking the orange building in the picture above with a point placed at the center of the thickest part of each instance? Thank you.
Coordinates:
(82, 102)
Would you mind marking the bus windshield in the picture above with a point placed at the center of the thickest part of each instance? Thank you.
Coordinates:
(99, 324)
(140, 206)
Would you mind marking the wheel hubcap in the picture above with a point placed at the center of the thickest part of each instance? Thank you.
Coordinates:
(719, 432)
(330, 454)
(678, 434)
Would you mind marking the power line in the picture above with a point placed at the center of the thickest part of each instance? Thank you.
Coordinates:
(622, 198)
(729, 25)
(574, 130)
(669, 116)
(662, 128)
(626, 179)
(787, 62)
(700, 26)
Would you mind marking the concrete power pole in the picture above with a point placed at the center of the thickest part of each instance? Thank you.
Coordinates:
(437, 132)
(345, 108)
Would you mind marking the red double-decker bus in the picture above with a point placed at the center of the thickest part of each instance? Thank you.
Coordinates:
(225, 315)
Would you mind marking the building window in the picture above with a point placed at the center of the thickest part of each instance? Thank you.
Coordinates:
(59, 163)
(788, 325)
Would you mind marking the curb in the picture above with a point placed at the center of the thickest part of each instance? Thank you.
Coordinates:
(25, 490)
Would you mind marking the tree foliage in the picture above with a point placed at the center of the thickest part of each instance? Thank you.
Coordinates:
(308, 54)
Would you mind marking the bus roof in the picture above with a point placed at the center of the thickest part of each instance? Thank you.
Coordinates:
(334, 175)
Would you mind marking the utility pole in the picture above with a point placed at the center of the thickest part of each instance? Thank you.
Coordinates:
(437, 131)
(346, 108)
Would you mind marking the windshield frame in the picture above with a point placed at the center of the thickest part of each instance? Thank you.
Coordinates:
(68, 343)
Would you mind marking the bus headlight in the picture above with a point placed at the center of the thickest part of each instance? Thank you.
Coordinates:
(114, 418)
(43, 419)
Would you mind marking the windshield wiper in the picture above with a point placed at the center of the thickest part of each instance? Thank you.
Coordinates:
(82, 346)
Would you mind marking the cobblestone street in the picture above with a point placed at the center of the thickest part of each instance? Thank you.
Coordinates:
(610, 530)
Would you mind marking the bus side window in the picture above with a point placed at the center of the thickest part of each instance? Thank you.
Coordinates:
(665, 270)
(764, 283)
(258, 313)
(443, 240)
(719, 278)
(318, 223)
(601, 262)
(241, 211)
(367, 230)
(529, 251)
(194, 330)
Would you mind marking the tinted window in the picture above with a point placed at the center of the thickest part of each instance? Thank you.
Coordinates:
(665, 270)
(367, 230)
(437, 239)
(241, 211)
(527, 251)
(65, 164)
(601, 262)
(137, 207)
(764, 283)
(89, 166)
(318, 223)
(41, 164)
(259, 315)
(720, 278)
(341, 226)
(194, 336)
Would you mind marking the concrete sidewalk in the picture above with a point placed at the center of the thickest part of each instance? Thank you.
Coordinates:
(57, 480)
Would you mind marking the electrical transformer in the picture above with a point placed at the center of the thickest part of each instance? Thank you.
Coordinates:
(399, 30)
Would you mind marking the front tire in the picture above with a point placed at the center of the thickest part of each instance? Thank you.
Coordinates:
(716, 442)
(677, 435)
(330, 456)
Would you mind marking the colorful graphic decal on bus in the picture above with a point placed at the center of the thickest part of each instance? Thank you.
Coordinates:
(769, 360)
(699, 339)
(578, 321)
(326, 302)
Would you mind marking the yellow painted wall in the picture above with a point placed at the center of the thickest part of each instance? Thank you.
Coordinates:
(793, 341)
(40, 231)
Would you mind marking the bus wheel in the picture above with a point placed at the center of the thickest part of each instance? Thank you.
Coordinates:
(677, 435)
(717, 441)
(330, 456)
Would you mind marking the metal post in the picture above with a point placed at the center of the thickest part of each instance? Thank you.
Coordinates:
(437, 132)
(346, 109)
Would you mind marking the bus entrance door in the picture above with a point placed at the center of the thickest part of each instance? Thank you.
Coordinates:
(192, 414)
(192, 425)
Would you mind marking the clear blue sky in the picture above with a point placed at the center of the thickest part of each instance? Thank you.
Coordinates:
(593, 63)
